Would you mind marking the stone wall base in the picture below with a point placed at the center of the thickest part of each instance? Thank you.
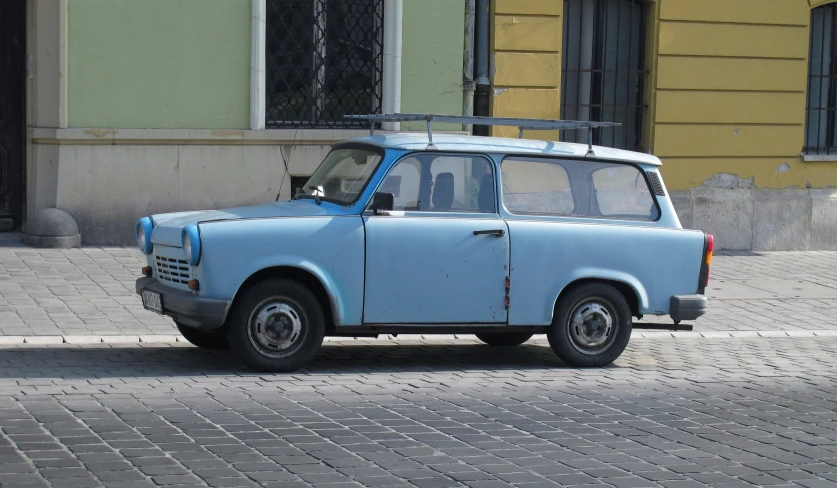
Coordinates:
(762, 220)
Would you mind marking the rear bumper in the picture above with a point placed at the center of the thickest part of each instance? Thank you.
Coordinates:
(688, 307)
(186, 308)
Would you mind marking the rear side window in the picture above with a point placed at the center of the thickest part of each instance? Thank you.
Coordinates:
(532, 186)
(547, 186)
(622, 192)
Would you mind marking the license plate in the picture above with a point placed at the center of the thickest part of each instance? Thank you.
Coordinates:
(152, 301)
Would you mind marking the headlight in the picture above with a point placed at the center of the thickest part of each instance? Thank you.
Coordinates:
(144, 227)
(191, 240)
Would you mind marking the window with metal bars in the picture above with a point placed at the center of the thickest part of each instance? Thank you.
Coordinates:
(820, 126)
(324, 60)
(603, 70)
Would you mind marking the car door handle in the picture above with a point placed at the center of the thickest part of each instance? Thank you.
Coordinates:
(497, 232)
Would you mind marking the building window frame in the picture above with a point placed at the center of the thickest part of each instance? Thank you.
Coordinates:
(600, 81)
(821, 99)
(389, 85)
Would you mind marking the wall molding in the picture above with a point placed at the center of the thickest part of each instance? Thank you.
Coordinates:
(207, 137)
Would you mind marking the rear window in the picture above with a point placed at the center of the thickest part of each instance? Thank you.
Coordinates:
(622, 192)
(547, 186)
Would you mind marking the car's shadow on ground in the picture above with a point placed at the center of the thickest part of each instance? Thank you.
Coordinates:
(105, 362)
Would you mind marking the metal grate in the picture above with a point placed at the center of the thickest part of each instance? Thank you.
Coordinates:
(820, 126)
(604, 69)
(324, 59)
(656, 184)
(172, 270)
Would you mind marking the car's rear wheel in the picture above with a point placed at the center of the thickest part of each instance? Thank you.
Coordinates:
(591, 326)
(277, 325)
(205, 339)
(504, 339)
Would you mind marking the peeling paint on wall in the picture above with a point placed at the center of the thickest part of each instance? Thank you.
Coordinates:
(783, 168)
(729, 181)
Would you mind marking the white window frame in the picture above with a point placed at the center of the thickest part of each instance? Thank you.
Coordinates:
(391, 96)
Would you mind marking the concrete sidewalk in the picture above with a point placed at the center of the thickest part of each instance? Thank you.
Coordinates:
(87, 295)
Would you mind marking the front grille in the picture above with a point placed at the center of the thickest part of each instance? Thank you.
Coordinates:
(172, 270)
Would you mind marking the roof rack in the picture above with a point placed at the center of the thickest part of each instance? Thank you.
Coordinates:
(521, 124)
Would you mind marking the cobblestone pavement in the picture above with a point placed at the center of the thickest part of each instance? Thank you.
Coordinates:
(90, 292)
(669, 413)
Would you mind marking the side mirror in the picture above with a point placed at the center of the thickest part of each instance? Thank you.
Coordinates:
(382, 201)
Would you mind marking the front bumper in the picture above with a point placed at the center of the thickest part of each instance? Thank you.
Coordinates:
(186, 308)
(688, 307)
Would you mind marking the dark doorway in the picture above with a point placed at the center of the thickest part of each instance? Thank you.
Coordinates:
(12, 111)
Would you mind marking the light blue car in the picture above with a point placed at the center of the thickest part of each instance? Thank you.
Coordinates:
(410, 233)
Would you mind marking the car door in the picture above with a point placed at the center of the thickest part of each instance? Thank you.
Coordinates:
(441, 256)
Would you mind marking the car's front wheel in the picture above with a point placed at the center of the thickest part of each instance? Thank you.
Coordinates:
(504, 339)
(592, 325)
(277, 325)
(205, 339)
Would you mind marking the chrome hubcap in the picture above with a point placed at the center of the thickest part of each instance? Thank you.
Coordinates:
(275, 327)
(591, 326)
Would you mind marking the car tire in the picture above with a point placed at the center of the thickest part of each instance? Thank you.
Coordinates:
(205, 339)
(591, 326)
(504, 339)
(276, 325)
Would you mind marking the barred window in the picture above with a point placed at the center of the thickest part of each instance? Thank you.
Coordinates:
(603, 69)
(820, 127)
(324, 60)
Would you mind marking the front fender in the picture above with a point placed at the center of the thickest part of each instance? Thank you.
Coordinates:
(331, 249)
(338, 310)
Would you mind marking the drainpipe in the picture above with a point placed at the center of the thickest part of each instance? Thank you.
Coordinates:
(468, 65)
(481, 100)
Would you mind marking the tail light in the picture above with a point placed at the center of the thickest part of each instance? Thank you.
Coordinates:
(708, 250)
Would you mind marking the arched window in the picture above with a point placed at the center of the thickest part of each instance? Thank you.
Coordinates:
(603, 69)
(820, 126)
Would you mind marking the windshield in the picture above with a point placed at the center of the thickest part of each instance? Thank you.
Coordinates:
(342, 176)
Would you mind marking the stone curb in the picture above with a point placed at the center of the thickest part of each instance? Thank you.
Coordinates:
(177, 339)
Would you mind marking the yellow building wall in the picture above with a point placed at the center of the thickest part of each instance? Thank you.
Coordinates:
(726, 89)
(526, 62)
(730, 92)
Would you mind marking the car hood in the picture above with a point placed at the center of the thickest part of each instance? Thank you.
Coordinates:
(168, 227)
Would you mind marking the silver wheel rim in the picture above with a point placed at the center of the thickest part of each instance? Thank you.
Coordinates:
(276, 327)
(592, 326)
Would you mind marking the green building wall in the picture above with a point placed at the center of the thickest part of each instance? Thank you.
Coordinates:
(159, 64)
(185, 64)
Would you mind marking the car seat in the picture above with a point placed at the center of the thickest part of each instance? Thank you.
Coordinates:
(443, 192)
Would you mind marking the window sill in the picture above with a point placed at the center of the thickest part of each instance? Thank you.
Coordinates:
(814, 158)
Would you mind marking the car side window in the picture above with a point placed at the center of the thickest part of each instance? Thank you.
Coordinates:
(551, 186)
(442, 183)
(621, 191)
(536, 186)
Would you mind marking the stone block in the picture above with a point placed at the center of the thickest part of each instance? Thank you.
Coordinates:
(824, 220)
(228, 176)
(43, 340)
(727, 215)
(541, 70)
(530, 7)
(107, 188)
(782, 220)
(682, 201)
(527, 33)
